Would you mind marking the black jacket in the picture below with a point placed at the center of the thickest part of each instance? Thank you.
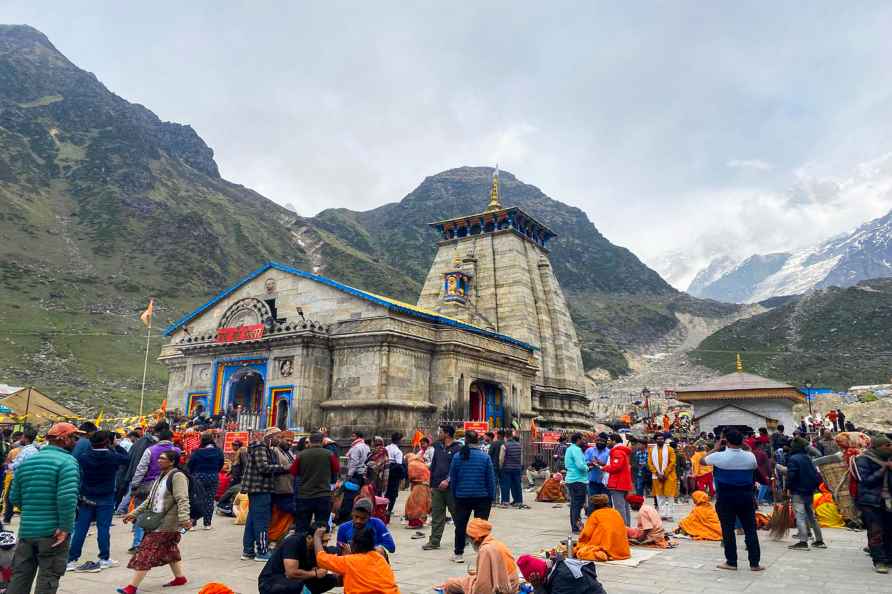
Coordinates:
(870, 485)
(441, 462)
(560, 580)
(802, 475)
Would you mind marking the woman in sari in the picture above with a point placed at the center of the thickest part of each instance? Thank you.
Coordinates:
(377, 466)
(418, 505)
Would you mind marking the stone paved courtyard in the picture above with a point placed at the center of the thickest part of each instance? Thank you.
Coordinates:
(690, 568)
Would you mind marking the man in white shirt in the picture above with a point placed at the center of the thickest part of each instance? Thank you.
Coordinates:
(395, 468)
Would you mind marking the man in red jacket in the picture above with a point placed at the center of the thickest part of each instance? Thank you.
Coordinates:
(620, 470)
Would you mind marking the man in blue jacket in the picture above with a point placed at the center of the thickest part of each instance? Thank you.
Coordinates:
(362, 518)
(99, 467)
(473, 488)
(802, 482)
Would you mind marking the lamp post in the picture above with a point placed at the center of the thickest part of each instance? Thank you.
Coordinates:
(808, 397)
(645, 393)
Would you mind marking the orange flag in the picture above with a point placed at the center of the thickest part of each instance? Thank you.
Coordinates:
(164, 405)
(416, 439)
(534, 431)
(146, 316)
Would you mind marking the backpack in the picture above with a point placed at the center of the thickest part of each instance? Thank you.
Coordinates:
(197, 496)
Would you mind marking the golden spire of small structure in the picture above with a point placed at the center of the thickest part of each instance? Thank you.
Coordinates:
(739, 364)
(495, 202)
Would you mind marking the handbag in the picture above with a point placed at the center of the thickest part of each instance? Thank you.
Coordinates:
(150, 520)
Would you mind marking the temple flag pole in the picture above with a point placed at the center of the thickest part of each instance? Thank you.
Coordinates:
(146, 318)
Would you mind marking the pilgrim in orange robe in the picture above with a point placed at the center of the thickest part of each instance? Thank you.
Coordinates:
(604, 536)
(552, 490)
(496, 568)
(418, 505)
(702, 523)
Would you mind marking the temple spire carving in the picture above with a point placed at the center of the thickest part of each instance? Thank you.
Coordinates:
(495, 201)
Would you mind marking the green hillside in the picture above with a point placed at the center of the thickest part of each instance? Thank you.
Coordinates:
(833, 337)
(103, 205)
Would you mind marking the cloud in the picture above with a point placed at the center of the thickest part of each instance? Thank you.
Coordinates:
(631, 113)
(754, 164)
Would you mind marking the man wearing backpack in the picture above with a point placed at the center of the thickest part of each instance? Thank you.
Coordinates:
(802, 482)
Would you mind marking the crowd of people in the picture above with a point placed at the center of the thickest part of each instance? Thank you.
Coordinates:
(292, 497)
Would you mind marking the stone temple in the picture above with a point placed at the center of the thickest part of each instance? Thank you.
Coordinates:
(490, 339)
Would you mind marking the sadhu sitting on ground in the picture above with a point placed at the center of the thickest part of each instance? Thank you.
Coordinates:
(702, 523)
(604, 536)
(649, 530)
(552, 490)
(496, 569)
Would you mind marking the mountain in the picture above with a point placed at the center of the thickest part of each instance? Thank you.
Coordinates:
(717, 268)
(843, 261)
(835, 337)
(103, 205)
(617, 302)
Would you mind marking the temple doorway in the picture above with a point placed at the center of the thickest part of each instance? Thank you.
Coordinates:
(282, 414)
(246, 390)
(487, 403)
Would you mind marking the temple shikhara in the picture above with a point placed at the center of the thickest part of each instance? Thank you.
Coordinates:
(491, 339)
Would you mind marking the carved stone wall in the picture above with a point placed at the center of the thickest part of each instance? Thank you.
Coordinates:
(515, 292)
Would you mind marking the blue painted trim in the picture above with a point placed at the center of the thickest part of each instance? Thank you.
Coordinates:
(351, 291)
(226, 293)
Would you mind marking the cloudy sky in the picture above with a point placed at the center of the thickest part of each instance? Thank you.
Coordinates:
(699, 127)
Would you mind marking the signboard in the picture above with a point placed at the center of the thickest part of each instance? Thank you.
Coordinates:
(191, 441)
(239, 333)
(551, 436)
(231, 436)
(478, 426)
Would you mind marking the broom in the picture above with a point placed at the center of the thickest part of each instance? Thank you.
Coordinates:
(782, 516)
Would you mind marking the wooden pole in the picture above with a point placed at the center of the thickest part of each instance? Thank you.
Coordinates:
(145, 367)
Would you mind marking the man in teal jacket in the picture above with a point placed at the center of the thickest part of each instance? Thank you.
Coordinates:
(51, 480)
(576, 480)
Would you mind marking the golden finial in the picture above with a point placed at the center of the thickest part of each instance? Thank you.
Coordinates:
(739, 364)
(494, 200)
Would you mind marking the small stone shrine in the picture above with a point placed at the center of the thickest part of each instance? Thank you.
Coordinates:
(491, 340)
(741, 400)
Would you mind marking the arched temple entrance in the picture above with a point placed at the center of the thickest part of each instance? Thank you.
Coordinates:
(487, 403)
(246, 390)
